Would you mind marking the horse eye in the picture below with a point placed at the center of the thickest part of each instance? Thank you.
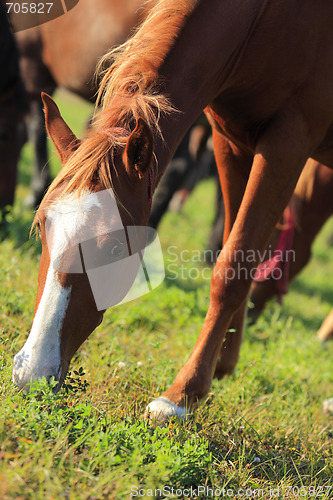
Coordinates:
(117, 249)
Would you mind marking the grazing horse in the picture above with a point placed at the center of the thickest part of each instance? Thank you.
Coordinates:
(262, 69)
(311, 205)
(64, 52)
(13, 106)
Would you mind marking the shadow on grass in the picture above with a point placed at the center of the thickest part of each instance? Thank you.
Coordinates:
(323, 291)
(309, 324)
(272, 322)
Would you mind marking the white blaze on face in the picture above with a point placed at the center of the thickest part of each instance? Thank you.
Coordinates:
(40, 356)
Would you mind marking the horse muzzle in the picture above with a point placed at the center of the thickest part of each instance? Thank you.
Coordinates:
(26, 370)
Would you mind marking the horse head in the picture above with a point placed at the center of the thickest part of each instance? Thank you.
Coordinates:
(88, 223)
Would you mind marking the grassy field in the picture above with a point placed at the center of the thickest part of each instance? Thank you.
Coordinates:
(261, 432)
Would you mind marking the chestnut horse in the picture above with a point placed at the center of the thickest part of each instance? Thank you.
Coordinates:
(269, 99)
(64, 52)
(13, 106)
(312, 205)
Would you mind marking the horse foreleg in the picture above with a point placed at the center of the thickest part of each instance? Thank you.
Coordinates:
(278, 161)
(233, 167)
(37, 136)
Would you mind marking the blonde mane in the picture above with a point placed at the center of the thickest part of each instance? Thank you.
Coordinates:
(129, 88)
(129, 85)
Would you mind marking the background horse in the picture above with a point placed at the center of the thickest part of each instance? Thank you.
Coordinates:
(269, 100)
(64, 52)
(192, 162)
(326, 330)
(13, 106)
(311, 205)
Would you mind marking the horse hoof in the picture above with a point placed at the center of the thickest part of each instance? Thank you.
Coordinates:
(161, 410)
(328, 406)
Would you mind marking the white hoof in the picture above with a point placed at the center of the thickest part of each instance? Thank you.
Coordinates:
(162, 409)
(328, 406)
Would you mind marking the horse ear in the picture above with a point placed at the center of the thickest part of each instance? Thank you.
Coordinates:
(62, 137)
(138, 152)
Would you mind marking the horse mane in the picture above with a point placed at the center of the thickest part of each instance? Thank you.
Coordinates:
(129, 85)
(90, 164)
(129, 89)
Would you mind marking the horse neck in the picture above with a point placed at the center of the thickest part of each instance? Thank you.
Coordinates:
(201, 62)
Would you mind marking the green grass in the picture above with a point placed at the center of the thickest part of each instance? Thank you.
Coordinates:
(260, 429)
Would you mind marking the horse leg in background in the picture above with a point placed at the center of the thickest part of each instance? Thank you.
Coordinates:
(181, 168)
(12, 138)
(8, 170)
(326, 330)
(200, 167)
(312, 205)
(214, 245)
(262, 291)
(37, 136)
(280, 155)
(170, 182)
(193, 175)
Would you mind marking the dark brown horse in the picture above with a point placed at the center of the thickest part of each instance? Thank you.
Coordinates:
(312, 205)
(64, 52)
(263, 71)
(13, 106)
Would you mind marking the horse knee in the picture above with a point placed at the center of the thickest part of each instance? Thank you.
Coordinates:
(229, 291)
